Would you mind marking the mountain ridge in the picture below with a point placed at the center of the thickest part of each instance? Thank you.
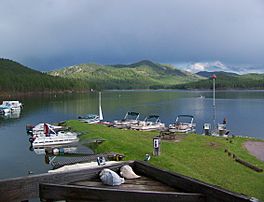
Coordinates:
(207, 74)
(142, 74)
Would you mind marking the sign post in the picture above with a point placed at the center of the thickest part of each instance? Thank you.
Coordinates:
(156, 146)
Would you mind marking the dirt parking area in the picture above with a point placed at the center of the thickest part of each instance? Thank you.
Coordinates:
(256, 149)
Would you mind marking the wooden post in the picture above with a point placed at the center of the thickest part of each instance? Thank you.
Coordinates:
(156, 146)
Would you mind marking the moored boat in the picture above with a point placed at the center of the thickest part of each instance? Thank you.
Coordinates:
(51, 137)
(221, 131)
(130, 119)
(151, 122)
(183, 124)
(39, 128)
(10, 106)
(93, 118)
(89, 118)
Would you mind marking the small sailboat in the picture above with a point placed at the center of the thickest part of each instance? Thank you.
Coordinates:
(220, 129)
(93, 118)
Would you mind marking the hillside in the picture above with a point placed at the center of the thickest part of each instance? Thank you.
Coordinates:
(18, 78)
(227, 80)
(217, 73)
(141, 75)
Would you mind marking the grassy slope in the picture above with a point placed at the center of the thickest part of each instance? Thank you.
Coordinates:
(139, 75)
(194, 156)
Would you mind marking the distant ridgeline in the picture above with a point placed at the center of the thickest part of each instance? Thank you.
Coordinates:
(226, 80)
(141, 75)
(15, 77)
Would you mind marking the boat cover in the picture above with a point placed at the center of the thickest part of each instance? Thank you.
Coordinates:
(110, 177)
(127, 172)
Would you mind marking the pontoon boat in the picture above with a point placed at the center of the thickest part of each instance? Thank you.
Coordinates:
(51, 137)
(130, 119)
(183, 124)
(151, 122)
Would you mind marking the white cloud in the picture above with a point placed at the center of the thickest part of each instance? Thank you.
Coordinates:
(207, 66)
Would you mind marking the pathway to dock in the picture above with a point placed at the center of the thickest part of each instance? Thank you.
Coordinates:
(256, 149)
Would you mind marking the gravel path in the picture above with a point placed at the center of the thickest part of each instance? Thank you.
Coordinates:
(256, 149)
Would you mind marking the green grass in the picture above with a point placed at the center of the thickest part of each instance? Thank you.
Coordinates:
(197, 156)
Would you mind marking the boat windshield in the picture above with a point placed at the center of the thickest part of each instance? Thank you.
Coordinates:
(131, 116)
(152, 118)
(184, 119)
(90, 116)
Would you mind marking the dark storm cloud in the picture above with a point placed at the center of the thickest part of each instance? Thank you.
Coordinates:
(47, 34)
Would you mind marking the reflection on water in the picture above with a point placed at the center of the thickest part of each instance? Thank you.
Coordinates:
(54, 150)
(243, 109)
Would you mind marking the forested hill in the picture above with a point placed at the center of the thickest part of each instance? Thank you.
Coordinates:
(141, 75)
(18, 78)
(227, 80)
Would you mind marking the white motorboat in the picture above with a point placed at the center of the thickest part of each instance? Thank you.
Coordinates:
(151, 122)
(4, 110)
(93, 118)
(39, 128)
(51, 137)
(9, 115)
(10, 106)
(130, 119)
(183, 124)
(221, 131)
(89, 118)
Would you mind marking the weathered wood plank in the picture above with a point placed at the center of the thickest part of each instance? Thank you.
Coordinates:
(24, 188)
(142, 183)
(83, 159)
(78, 193)
(212, 193)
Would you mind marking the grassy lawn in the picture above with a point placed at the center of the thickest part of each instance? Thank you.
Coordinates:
(200, 157)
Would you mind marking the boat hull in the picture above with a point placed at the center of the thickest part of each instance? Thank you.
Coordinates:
(46, 141)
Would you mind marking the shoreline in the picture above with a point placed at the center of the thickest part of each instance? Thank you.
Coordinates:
(32, 93)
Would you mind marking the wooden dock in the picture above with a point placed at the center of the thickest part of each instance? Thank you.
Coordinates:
(83, 159)
(83, 185)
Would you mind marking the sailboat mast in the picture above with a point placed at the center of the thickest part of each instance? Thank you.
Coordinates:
(100, 107)
(100, 101)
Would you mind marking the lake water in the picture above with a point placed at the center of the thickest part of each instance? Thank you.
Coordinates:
(244, 111)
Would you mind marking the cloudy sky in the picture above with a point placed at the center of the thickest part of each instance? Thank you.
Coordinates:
(50, 34)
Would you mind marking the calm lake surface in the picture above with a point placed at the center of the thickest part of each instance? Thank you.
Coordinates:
(244, 111)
